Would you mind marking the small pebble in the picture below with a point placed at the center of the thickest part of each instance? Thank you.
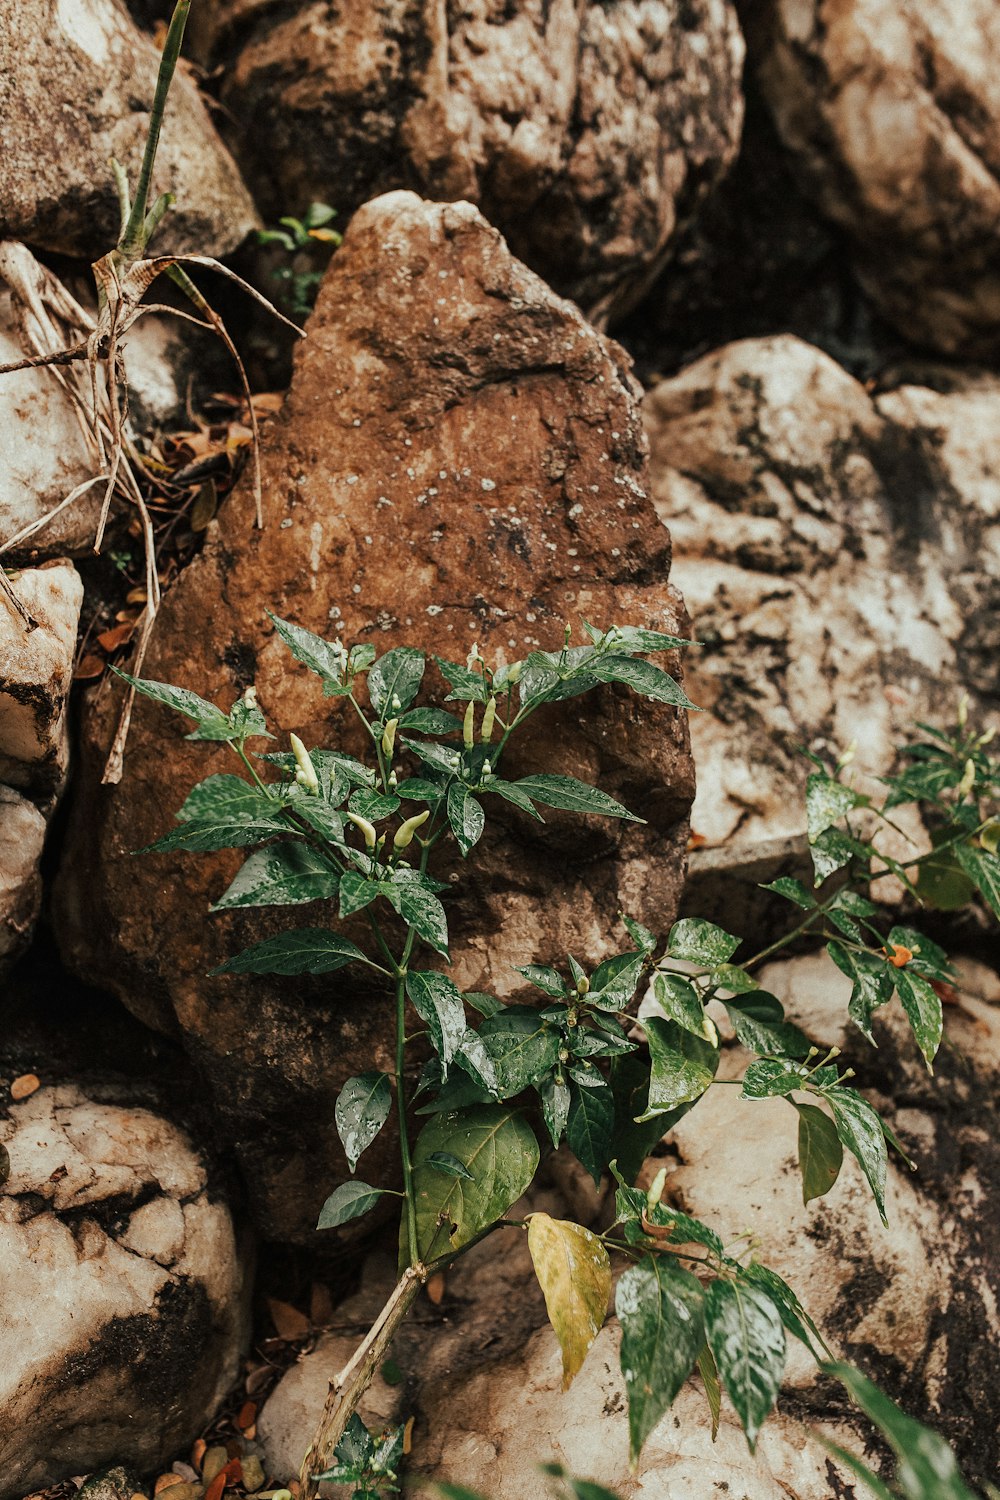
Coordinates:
(253, 1474)
(213, 1463)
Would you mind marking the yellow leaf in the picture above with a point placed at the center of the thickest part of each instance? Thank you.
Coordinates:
(574, 1273)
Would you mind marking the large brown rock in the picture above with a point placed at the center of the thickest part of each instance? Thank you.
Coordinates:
(586, 132)
(460, 458)
(891, 115)
(839, 551)
(76, 86)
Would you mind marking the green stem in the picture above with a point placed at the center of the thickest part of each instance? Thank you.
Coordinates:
(789, 937)
(404, 1143)
(133, 241)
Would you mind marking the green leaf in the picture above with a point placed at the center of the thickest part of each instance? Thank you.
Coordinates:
(767, 1079)
(983, 870)
(509, 792)
(747, 1338)
(635, 638)
(320, 656)
(589, 1126)
(736, 980)
(713, 1390)
(683, 1066)
(372, 805)
(497, 1147)
(642, 676)
(661, 1311)
(473, 1058)
(465, 816)
(430, 721)
(820, 1153)
(695, 941)
(422, 910)
(232, 831)
(926, 1469)
(576, 796)
(419, 789)
(211, 721)
(226, 797)
(871, 980)
(923, 782)
(357, 892)
(928, 959)
(450, 1166)
(304, 950)
(827, 801)
(574, 1273)
(438, 1002)
(679, 1001)
(792, 890)
(831, 851)
(923, 1010)
(363, 1106)
(555, 1096)
(521, 1046)
(794, 1316)
(941, 880)
(394, 680)
(613, 983)
(280, 875)
(860, 1130)
(641, 936)
(549, 981)
(466, 686)
(758, 1020)
(350, 1201)
(486, 1005)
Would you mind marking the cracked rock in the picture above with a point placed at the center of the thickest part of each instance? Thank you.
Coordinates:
(460, 458)
(36, 669)
(76, 86)
(839, 551)
(124, 1302)
(586, 133)
(890, 116)
(22, 834)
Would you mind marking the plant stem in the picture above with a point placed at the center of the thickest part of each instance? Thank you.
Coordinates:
(134, 238)
(404, 1143)
(347, 1388)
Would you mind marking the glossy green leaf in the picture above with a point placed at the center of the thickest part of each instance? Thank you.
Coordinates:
(746, 1335)
(497, 1147)
(549, 981)
(510, 792)
(792, 890)
(443, 1161)
(860, 1130)
(871, 981)
(521, 1046)
(642, 676)
(827, 801)
(422, 910)
(680, 1002)
(683, 1066)
(350, 1201)
(926, 1466)
(304, 950)
(698, 942)
(794, 1316)
(636, 638)
(438, 1001)
(232, 831)
(576, 796)
(831, 851)
(660, 1309)
(320, 656)
(465, 816)
(758, 1020)
(466, 686)
(713, 1389)
(430, 721)
(362, 1108)
(613, 983)
(983, 869)
(641, 936)
(589, 1126)
(767, 1079)
(574, 1273)
(356, 892)
(211, 721)
(281, 875)
(226, 797)
(372, 805)
(394, 680)
(821, 1154)
(555, 1096)
(923, 1009)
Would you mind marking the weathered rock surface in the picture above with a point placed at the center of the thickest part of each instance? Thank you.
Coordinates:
(124, 1303)
(460, 458)
(36, 669)
(76, 85)
(890, 115)
(22, 834)
(586, 133)
(839, 552)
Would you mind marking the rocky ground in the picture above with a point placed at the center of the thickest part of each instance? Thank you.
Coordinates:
(782, 215)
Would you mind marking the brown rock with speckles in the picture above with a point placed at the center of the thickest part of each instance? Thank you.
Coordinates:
(586, 133)
(460, 459)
